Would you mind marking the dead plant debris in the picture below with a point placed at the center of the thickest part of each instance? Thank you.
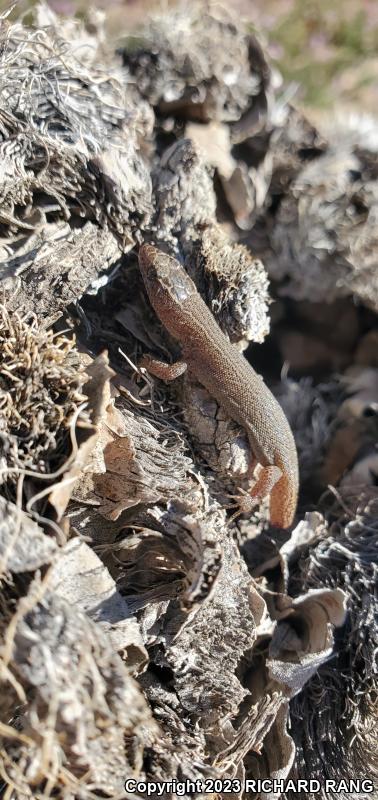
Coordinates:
(146, 630)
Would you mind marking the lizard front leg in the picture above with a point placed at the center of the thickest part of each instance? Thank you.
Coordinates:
(161, 369)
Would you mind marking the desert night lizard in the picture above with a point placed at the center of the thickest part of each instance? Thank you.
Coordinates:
(227, 375)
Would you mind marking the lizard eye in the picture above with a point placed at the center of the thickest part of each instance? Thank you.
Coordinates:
(182, 287)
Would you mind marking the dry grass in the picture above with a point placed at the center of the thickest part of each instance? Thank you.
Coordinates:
(40, 392)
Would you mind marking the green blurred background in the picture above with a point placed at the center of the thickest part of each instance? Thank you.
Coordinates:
(328, 47)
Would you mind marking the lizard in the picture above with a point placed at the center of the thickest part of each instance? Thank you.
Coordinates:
(223, 370)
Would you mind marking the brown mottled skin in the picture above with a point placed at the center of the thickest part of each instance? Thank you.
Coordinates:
(227, 375)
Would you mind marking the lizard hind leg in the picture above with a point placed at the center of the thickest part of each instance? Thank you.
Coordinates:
(243, 504)
(266, 479)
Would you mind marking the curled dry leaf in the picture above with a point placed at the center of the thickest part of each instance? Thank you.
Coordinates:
(181, 557)
(80, 577)
(96, 389)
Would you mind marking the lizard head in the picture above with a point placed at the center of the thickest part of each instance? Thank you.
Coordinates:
(168, 285)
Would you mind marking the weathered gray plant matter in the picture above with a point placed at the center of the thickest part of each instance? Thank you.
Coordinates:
(146, 630)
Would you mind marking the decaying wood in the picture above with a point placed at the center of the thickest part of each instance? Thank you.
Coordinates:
(145, 630)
